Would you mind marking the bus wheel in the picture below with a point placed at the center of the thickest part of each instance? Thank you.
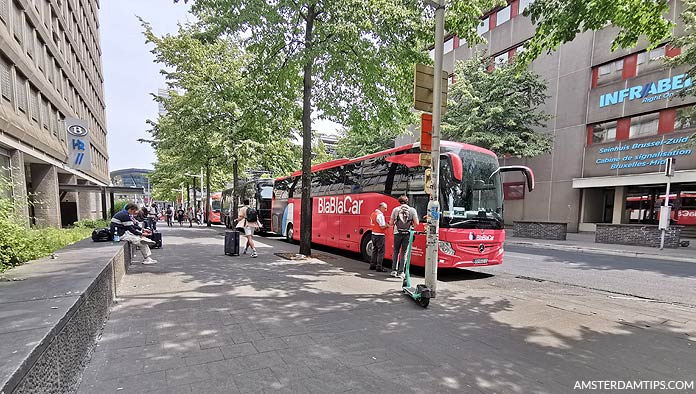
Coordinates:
(289, 233)
(366, 247)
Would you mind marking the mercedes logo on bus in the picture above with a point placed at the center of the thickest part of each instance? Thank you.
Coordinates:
(482, 247)
(77, 130)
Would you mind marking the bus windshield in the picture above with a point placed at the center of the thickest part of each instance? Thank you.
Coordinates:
(476, 201)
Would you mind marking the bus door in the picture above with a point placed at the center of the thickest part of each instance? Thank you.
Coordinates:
(349, 233)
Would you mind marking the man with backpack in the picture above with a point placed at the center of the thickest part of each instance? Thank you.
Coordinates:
(403, 218)
(248, 222)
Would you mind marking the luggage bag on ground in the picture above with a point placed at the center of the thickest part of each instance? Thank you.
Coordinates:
(101, 235)
(232, 243)
(157, 237)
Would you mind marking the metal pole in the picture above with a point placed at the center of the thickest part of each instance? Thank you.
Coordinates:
(201, 207)
(664, 231)
(431, 253)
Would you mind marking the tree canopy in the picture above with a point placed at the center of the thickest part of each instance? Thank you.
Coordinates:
(497, 109)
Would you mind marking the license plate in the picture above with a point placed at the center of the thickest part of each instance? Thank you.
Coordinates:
(480, 261)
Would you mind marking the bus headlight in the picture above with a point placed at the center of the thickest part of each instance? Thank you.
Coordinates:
(447, 248)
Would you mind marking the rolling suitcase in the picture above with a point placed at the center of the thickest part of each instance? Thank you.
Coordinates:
(232, 243)
(157, 237)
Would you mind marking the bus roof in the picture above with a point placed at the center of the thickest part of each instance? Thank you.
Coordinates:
(343, 161)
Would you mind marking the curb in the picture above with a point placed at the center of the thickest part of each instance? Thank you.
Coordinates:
(584, 249)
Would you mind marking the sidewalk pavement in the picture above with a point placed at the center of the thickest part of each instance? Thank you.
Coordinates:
(201, 322)
(584, 243)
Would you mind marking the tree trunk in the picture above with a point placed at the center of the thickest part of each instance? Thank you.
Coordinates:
(306, 210)
(207, 194)
(188, 195)
(235, 191)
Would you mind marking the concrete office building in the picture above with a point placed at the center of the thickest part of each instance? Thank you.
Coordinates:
(51, 80)
(615, 120)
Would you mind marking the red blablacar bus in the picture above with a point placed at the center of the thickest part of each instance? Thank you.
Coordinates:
(346, 191)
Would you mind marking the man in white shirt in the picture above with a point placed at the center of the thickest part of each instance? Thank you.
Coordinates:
(379, 224)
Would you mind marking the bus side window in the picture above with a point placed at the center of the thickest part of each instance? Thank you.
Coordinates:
(295, 188)
(336, 181)
(374, 175)
(400, 182)
(352, 178)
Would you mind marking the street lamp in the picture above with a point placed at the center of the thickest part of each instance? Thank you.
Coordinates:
(193, 183)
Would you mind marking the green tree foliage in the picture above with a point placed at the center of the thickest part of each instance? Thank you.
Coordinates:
(19, 244)
(219, 116)
(352, 144)
(687, 43)
(352, 58)
(498, 109)
(559, 21)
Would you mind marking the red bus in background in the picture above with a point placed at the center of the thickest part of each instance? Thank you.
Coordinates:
(646, 208)
(346, 191)
(215, 207)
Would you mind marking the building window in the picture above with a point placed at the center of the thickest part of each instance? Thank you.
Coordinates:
(604, 132)
(21, 86)
(449, 45)
(650, 61)
(610, 72)
(5, 11)
(34, 103)
(501, 59)
(483, 27)
(503, 16)
(524, 4)
(5, 174)
(513, 190)
(17, 22)
(645, 125)
(5, 79)
(686, 118)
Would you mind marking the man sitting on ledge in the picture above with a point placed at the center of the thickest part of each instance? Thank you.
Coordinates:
(123, 225)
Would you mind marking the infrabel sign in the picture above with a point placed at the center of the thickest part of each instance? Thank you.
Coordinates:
(647, 93)
(78, 144)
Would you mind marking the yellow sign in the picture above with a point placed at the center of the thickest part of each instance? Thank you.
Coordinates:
(423, 82)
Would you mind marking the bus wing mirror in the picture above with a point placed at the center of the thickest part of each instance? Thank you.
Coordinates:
(457, 165)
(526, 171)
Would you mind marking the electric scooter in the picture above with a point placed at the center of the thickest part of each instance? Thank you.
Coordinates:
(420, 293)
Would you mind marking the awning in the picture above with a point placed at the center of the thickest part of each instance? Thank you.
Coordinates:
(653, 178)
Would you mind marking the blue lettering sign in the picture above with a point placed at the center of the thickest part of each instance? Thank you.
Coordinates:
(652, 91)
(78, 144)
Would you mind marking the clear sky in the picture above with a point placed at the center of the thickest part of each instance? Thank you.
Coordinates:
(130, 74)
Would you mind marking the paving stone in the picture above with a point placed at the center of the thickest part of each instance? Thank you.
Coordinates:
(203, 356)
(239, 350)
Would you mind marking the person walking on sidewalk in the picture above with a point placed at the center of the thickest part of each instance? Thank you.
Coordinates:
(403, 218)
(170, 215)
(378, 243)
(248, 222)
(123, 225)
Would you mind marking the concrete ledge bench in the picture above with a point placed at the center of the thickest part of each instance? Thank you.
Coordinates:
(51, 312)
(637, 234)
(540, 230)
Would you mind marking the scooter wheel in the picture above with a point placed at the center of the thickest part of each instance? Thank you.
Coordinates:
(424, 302)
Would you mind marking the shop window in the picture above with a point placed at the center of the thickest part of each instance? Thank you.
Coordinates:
(483, 27)
(604, 132)
(503, 16)
(513, 190)
(645, 125)
(686, 118)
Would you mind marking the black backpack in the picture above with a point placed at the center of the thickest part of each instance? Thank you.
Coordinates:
(101, 235)
(251, 215)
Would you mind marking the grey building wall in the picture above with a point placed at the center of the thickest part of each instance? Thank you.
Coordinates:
(50, 69)
(573, 104)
